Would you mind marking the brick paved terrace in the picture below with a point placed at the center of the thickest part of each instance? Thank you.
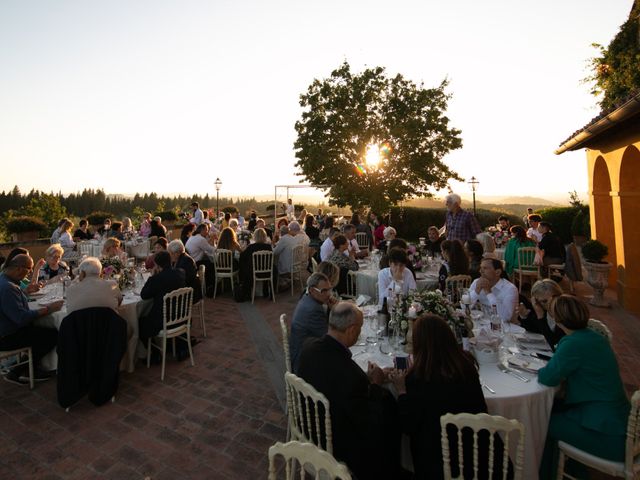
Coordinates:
(212, 421)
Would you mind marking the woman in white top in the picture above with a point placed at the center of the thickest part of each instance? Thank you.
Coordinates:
(65, 240)
(396, 277)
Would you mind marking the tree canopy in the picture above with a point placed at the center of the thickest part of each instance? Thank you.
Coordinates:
(346, 113)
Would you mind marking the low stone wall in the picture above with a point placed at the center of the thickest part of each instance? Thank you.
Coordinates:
(36, 247)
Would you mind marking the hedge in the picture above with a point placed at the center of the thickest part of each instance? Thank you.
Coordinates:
(98, 218)
(561, 219)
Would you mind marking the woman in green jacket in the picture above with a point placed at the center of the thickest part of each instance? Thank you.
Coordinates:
(593, 413)
(518, 240)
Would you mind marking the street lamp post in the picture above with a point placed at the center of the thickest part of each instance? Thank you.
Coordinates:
(218, 184)
(474, 182)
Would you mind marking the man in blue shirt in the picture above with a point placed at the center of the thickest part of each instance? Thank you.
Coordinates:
(16, 330)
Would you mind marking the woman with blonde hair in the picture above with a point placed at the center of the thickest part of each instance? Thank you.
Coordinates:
(534, 315)
(51, 266)
(65, 240)
(111, 248)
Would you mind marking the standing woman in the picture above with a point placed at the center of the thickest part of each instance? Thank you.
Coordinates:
(474, 251)
(52, 266)
(594, 412)
(518, 240)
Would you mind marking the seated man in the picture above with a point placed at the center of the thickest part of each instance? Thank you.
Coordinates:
(551, 249)
(493, 289)
(182, 261)
(310, 316)
(284, 248)
(363, 413)
(200, 249)
(91, 290)
(163, 280)
(504, 223)
(16, 330)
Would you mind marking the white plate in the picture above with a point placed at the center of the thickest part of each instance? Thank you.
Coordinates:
(529, 364)
(48, 301)
(529, 337)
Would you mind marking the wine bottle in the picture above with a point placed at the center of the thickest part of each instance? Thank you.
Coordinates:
(384, 316)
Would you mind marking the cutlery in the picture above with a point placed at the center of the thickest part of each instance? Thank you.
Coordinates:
(511, 372)
(541, 349)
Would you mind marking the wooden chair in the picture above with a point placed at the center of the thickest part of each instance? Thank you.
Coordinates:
(17, 353)
(310, 458)
(629, 469)
(455, 284)
(599, 327)
(85, 248)
(176, 323)
(362, 239)
(299, 259)
(476, 423)
(526, 267)
(306, 408)
(262, 272)
(224, 269)
(203, 289)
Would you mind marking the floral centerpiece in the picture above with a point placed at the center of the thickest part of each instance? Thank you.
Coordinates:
(111, 266)
(244, 237)
(499, 236)
(415, 257)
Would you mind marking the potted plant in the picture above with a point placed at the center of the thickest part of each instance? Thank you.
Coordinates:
(24, 229)
(598, 270)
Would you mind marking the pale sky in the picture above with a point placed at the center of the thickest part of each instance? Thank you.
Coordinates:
(165, 96)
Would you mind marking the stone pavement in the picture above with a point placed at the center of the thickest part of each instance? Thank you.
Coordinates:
(212, 421)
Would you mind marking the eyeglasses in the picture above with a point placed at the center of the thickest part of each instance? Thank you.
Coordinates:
(321, 290)
(543, 300)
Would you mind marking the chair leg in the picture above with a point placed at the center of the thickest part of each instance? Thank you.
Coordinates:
(148, 353)
(253, 290)
(273, 292)
(189, 345)
(215, 287)
(30, 355)
(231, 281)
(204, 328)
(173, 341)
(164, 357)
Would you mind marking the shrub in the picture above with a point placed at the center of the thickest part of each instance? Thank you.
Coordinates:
(98, 218)
(230, 209)
(594, 251)
(25, 224)
(167, 216)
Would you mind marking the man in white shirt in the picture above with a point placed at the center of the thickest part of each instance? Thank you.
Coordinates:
(198, 216)
(326, 249)
(284, 248)
(533, 233)
(91, 290)
(290, 210)
(350, 232)
(491, 289)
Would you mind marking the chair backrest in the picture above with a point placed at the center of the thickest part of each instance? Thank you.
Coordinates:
(201, 278)
(176, 307)
(362, 239)
(476, 423)
(455, 284)
(526, 257)
(599, 327)
(351, 285)
(632, 450)
(224, 260)
(299, 258)
(307, 407)
(85, 248)
(262, 262)
(306, 455)
(284, 326)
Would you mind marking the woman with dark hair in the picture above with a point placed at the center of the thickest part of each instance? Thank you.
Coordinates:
(518, 240)
(397, 278)
(396, 243)
(186, 232)
(328, 225)
(474, 251)
(312, 232)
(455, 261)
(82, 232)
(443, 379)
(378, 233)
(338, 256)
(594, 412)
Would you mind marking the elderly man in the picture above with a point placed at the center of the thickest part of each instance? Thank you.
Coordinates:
(284, 248)
(181, 260)
(310, 316)
(349, 231)
(534, 233)
(492, 289)
(91, 290)
(363, 415)
(16, 329)
(460, 224)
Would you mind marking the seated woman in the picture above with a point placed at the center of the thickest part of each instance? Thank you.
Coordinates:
(229, 241)
(474, 251)
(518, 240)
(51, 268)
(186, 232)
(145, 225)
(397, 278)
(111, 248)
(362, 227)
(325, 232)
(488, 245)
(443, 379)
(260, 243)
(65, 240)
(116, 231)
(82, 232)
(127, 227)
(533, 315)
(455, 262)
(594, 412)
(395, 243)
(160, 245)
(344, 259)
(551, 249)
(332, 272)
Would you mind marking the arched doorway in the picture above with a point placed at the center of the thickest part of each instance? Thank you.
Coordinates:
(629, 265)
(602, 223)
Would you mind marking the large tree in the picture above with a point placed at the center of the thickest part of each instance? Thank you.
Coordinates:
(346, 113)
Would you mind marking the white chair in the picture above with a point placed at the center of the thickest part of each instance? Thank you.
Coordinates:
(176, 323)
(306, 407)
(491, 423)
(141, 251)
(599, 327)
(526, 267)
(352, 290)
(455, 284)
(310, 458)
(224, 269)
(262, 271)
(362, 239)
(17, 353)
(200, 303)
(629, 469)
(299, 259)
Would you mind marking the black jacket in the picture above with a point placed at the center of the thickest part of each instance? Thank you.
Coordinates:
(91, 343)
(156, 288)
(188, 266)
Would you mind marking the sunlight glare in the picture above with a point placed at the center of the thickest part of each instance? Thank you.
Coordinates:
(372, 156)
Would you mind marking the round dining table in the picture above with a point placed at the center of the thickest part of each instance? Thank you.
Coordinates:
(528, 402)
(367, 280)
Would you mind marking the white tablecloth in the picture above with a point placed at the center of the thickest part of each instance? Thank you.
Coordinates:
(131, 309)
(529, 403)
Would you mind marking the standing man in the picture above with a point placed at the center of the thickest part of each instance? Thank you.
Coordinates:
(459, 224)
(198, 216)
(16, 329)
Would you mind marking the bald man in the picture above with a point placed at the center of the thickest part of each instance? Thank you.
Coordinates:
(16, 329)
